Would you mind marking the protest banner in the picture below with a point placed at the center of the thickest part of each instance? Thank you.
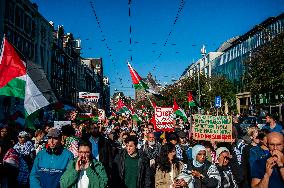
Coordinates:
(164, 119)
(216, 128)
(91, 97)
(59, 124)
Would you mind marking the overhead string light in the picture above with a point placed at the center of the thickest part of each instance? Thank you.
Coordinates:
(181, 6)
(130, 30)
(104, 40)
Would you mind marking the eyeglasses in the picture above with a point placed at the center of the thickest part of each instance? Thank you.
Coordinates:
(275, 145)
(84, 152)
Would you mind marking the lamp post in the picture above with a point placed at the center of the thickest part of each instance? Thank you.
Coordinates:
(203, 53)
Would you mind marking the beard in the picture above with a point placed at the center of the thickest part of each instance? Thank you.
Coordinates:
(151, 143)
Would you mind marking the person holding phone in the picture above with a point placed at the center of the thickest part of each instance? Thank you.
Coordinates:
(84, 171)
(204, 173)
(227, 168)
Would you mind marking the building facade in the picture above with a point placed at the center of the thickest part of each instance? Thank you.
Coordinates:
(29, 33)
(230, 63)
(106, 95)
(58, 53)
(203, 65)
(229, 57)
(95, 84)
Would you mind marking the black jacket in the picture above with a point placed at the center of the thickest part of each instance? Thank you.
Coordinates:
(209, 181)
(143, 181)
(105, 152)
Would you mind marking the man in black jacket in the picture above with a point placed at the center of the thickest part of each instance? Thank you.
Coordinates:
(101, 148)
(131, 168)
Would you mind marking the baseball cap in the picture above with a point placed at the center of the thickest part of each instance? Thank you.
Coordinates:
(55, 133)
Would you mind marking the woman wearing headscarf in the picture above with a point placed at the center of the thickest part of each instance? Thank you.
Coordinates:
(169, 169)
(228, 168)
(205, 174)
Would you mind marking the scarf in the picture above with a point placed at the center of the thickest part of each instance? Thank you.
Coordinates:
(195, 150)
(24, 149)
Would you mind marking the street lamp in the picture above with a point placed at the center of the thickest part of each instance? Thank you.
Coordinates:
(203, 53)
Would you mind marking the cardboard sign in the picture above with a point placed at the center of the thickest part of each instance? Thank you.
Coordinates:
(164, 120)
(217, 128)
(101, 114)
(59, 124)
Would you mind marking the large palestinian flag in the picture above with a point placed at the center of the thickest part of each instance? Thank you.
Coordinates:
(138, 83)
(23, 80)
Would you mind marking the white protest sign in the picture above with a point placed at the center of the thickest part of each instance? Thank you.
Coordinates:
(164, 119)
(90, 97)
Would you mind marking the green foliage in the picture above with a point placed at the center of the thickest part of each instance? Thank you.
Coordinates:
(265, 68)
(209, 88)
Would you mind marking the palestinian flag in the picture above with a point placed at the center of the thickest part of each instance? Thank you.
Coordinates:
(136, 118)
(190, 99)
(179, 112)
(23, 80)
(87, 117)
(138, 83)
(122, 108)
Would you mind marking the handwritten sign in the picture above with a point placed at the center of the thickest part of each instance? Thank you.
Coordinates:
(164, 119)
(217, 128)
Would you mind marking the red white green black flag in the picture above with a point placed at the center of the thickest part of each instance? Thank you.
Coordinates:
(138, 83)
(191, 101)
(22, 81)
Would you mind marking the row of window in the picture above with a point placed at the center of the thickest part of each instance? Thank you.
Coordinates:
(23, 45)
(253, 42)
(20, 18)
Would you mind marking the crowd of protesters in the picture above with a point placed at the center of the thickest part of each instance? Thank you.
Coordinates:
(120, 153)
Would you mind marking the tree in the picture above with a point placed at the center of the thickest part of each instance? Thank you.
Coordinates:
(265, 69)
(219, 86)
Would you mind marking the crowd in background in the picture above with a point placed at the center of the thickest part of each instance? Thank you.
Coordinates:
(118, 153)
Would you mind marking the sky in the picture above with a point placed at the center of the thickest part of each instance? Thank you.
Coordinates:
(162, 42)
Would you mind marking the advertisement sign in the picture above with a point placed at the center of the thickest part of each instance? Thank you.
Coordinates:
(164, 120)
(207, 127)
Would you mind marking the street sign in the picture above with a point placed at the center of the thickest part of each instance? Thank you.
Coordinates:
(217, 101)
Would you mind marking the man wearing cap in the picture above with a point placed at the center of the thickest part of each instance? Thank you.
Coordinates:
(50, 163)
